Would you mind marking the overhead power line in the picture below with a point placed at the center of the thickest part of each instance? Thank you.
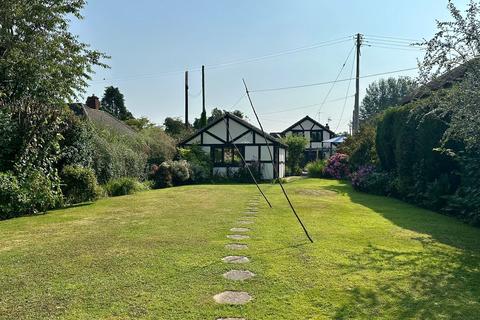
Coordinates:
(236, 62)
(346, 94)
(328, 82)
(303, 107)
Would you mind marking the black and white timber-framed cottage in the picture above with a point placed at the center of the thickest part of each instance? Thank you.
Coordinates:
(315, 133)
(219, 138)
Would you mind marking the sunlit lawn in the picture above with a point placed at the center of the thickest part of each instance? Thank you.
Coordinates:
(156, 255)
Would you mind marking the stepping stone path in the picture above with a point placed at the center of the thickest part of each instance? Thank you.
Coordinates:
(236, 246)
(238, 275)
(238, 297)
(236, 259)
(245, 222)
(238, 236)
(232, 297)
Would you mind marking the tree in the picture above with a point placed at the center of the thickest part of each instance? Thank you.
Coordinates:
(215, 114)
(384, 94)
(295, 152)
(113, 102)
(175, 128)
(455, 42)
(40, 58)
(140, 123)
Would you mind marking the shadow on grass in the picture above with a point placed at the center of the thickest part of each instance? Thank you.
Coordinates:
(432, 283)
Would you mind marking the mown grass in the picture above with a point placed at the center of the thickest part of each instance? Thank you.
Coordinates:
(156, 255)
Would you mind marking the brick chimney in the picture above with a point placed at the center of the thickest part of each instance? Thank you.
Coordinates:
(93, 102)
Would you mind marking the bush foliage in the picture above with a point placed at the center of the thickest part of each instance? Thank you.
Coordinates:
(79, 184)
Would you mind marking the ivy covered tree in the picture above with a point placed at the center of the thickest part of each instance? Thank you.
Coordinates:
(39, 56)
(456, 42)
(113, 102)
(384, 94)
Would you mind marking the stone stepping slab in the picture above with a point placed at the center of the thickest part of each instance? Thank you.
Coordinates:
(235, 259)
(239, 229)
(236, 246)
(250, 212)
(238, 275)
(246, 222)
(232, 297)
(238, 236)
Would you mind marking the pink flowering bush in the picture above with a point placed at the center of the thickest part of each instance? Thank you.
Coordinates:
(337, 166)
(360, 177)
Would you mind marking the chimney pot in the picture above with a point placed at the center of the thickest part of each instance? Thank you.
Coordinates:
(93, 102)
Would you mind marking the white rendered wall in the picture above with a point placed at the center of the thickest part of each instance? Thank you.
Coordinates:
(220, 171)
(281, 155)
(251, 153)
(281, 170)
(265, 154)
(220, 130)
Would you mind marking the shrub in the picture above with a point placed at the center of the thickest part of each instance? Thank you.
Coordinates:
(295, 152)
(360, 147)
(369, 179)
(337, 166)
(9, 195)
(170, 173)
(315, 169)
(39, 193)
(200, 163)
(124, 186)
(243, 174)
(79, 184)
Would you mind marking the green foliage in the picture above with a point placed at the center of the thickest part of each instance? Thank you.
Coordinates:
(79, 184)
(175, 128)
(140, 124)
(214, 115)
(170, 173)
(295, 152)
(315, 169)
(10, 195)
(360, 147)
(160, 146)
(243, 175)
(384, 94)
(124, 186)
(40, 58)
(456, 42)
(200, 163)
(113, 102)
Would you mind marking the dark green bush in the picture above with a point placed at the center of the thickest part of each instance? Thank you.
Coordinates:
(315, 169)
(170, 173)
(200, 163)
(124, 186)
(243, 175)
(79, 184)
(10, 195)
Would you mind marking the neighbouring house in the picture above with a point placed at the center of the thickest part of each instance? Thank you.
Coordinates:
(219, 138)
(91, 111)
(317, 135)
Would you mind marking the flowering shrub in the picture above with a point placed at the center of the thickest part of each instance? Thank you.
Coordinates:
(170, 173)
(337, 166)
(368, 179)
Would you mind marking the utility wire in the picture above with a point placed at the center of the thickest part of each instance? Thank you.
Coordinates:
(334, 82)
(302, 107)
(393, 38)
(273, 163)
(236, 62)
(245, 162)
(346, 94)
(328, 82)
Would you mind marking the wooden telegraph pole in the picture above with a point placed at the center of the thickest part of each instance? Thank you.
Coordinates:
(186, 99)
(356, 109)
(203, 90)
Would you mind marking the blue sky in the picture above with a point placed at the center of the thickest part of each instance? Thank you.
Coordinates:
(152, 42)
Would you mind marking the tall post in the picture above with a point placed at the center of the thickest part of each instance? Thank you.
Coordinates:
(356, 109)
(203, 89)
(186, 98)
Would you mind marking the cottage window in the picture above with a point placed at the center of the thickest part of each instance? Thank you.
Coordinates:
(316, 136)
(217, 155)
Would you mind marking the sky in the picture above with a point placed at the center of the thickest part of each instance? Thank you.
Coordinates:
(269, 43)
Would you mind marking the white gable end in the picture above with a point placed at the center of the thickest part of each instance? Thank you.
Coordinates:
(236, 129)
(220, 130)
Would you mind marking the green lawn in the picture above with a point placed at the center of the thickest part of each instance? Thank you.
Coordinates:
(156, 255)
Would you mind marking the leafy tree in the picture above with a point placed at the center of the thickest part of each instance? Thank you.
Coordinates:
(203, 119)
(384, 94)
(140, 123)
(215, 114)
(456, 42)
(113, 102)
(295, 152)
(175, 128)
(39, 56)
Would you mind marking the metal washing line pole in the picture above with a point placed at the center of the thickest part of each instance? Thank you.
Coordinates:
(273, 163)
